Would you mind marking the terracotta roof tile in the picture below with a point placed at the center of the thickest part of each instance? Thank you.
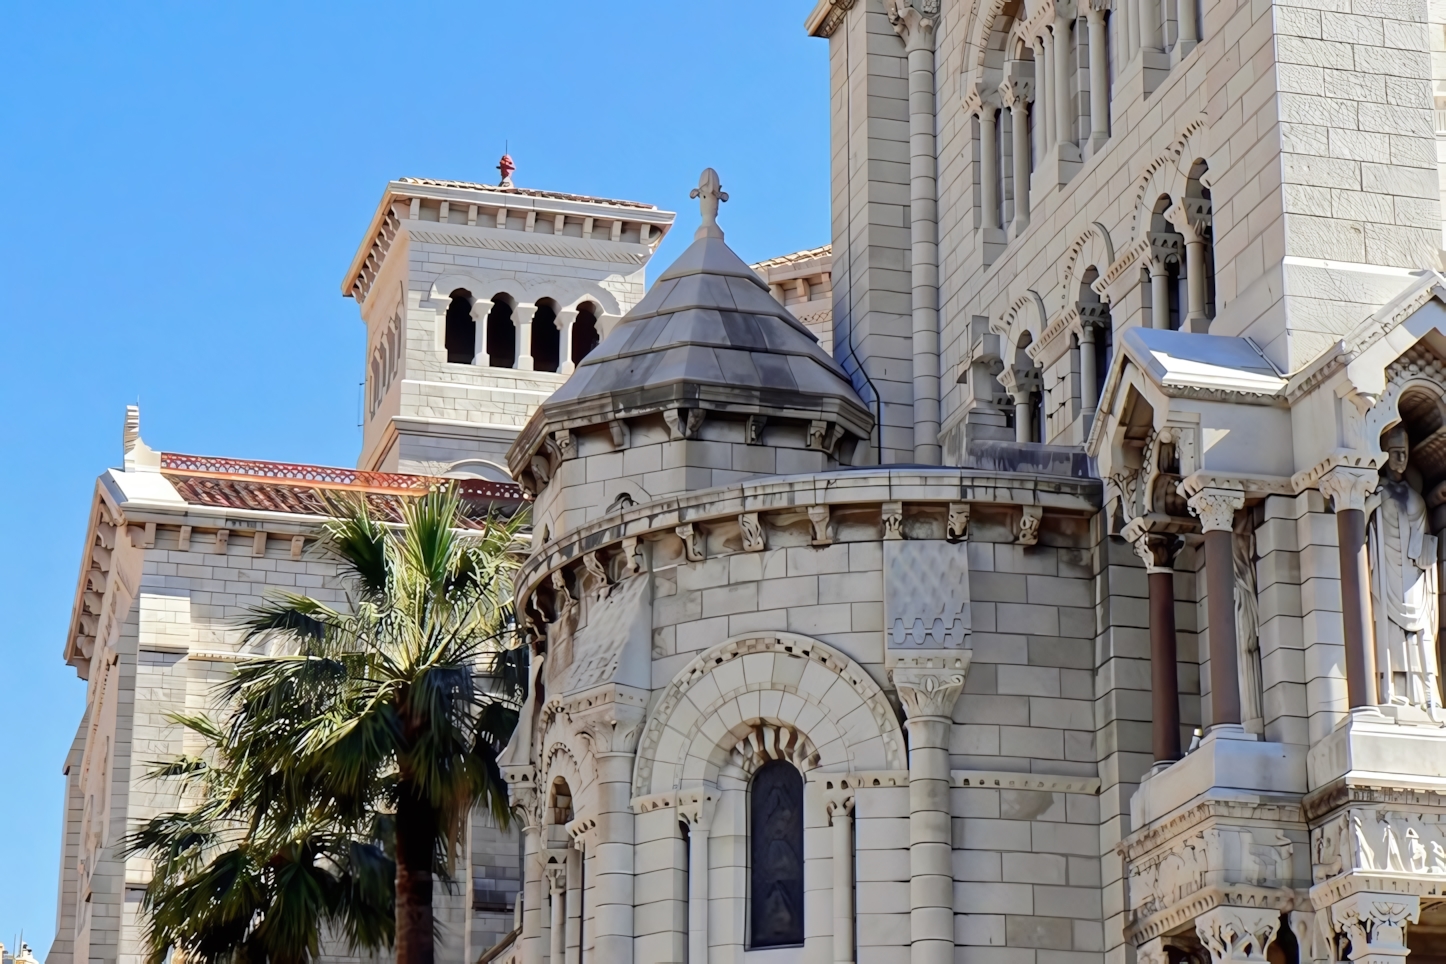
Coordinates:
(523, 192)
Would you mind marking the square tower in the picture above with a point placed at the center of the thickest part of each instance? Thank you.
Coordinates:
(479, 300)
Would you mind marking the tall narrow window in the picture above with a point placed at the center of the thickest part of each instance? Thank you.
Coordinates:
(460, 336)
(584, 333)
(776, 828)
(501, 335)
(546, 339)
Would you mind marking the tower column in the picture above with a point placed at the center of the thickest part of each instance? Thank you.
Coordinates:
(1347, 489)
(1063, 116)
(1215, 508)
(1099, 79)
(565, 320)
(480, 310)
(988, 168)
(841, 814)
(522, 319)
(1157, 550)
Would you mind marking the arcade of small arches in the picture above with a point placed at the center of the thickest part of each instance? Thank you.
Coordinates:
(502, 332)
(1050, 373)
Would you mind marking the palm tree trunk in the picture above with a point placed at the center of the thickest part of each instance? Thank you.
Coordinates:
(416, 843)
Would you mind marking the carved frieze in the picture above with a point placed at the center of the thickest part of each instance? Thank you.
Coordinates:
(1377, 849)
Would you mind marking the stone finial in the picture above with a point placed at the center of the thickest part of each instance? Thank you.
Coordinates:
(506, 167)
(709, 193)
(137, 455)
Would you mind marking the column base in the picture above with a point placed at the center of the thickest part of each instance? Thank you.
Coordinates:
(1228, 760)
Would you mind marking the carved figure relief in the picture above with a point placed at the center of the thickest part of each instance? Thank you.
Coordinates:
(1404, 585)
(1247, 626)
(1380, 840)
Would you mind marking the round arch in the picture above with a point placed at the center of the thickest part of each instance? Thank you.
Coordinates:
(760, 689)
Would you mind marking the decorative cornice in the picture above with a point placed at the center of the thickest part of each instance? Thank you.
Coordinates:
(826, 17)
(612, 252)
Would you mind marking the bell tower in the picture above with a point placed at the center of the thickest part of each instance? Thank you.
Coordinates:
(479, 301)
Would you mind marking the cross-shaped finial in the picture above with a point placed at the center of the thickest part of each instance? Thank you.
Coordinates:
(709, 192)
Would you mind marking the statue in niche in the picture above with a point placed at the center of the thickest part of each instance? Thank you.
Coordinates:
(1404, 585)
(1247, 626)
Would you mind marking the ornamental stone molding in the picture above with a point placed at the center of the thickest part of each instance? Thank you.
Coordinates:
(929, 686)
(784, 676)
(1216, 508)
(913, 21)
(1238, 935)
(1347, 487)
(1375, 924)
(1378, 849)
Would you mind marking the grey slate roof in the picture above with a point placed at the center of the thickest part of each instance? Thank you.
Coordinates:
(707, 335)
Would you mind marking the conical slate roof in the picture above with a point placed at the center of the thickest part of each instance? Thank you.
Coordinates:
(707, 335)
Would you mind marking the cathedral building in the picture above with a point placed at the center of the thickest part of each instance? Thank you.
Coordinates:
(1047, 571)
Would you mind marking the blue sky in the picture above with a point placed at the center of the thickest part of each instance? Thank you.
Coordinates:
(190, 181)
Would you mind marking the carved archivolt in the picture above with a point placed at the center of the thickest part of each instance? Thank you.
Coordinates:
(1098, 251)
(1164, 175)
(764, 695)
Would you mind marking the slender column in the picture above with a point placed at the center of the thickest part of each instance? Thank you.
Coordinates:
(574, 905)
(1089, 390)
(1347, 489)
(1158, 552)
(532, 889)
(1195, 282)
(1189, 33)
(1159, 294)
(1151, 31)
(1023, 417)
(1044, 93)
(522, 318)
(841, 813)
(565, 321)
(695, 807)
(557, 890)
(1099, 80)
(1215, 509)
(1132, 30)
(989, 167)
(928, 686)
(1063, 115)
(611, 728)
(917, 31)
(480, 311)
(1016, 98)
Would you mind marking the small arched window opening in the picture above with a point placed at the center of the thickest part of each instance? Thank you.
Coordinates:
(501, 334)
(546, 339)
(775, 810)
(460, 334)
(1096, 343)
(1199, 210)
(1168, 297)
(584, 332)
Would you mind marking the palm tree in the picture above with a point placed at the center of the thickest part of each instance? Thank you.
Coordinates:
(361, 745)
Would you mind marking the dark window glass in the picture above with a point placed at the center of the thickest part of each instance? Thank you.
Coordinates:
(776, 822)
(460, 336)
(501, 336)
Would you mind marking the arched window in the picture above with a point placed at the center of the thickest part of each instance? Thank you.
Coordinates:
(546, 339)
(501, 334)
(775, 810)
(460, 336)
(584, 332)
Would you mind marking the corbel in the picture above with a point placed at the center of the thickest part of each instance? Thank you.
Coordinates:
(258, 543)
(541, 469)
(683, 423)
(618, 431)
(1029, 521)
(599, 585)
(818, 518)
(105, 535)
(752, 532)
(223, 539)
(692, 541)
(566, 444)
(633, 561)
(892, 515)
(101, 556)
(93, 602)
(617, 230)
(501, 221)
(563, 597)
(298, 543)
(531, 225)
(184, 539)
(753, 429)
(957, 527)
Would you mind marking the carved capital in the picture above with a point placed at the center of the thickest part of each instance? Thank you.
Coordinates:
(929, 686)
(695, 807)
(957, 527)
(1238, 935)
(913, 21)
(1191, 216)
(1019, 381)
(1165, 248)
(1347, 487)
(555, 869)
(838, 803)
(1215, 508)
(892, 514)
(1016, 94)
(1375, 924)
(612, 724)
(1156, 549)
(752, 531)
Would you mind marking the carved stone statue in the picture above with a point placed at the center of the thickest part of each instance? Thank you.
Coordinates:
(1404, 585)
(1247, 626)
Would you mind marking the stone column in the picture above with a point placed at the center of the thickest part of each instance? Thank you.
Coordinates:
(1189, 33)
(574, 904)
(988, 168)
(1092, 319)
(565, 321)
(1021, 383)
(610, 729)
(1347, 489)
(525, 800)
(1044, 91)
(928, 686)
(1063, 115)
(1215, 508)
(1191, 216)
(695, 807)
(916, 28)
(557, 927)
(1376, 925)
(1151, 31)
(1131, 31)
(1158, 550)
(522, 319)
(1159, 293)
(1237, 935)
(840, 814)
(1099, 80)
(1016, 98)
(480, 311)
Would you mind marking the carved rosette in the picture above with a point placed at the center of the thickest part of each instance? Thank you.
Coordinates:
(1347, 487)
(1215, 508)
(929, 686)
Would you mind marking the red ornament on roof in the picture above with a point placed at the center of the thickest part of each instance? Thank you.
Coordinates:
(506, 167)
